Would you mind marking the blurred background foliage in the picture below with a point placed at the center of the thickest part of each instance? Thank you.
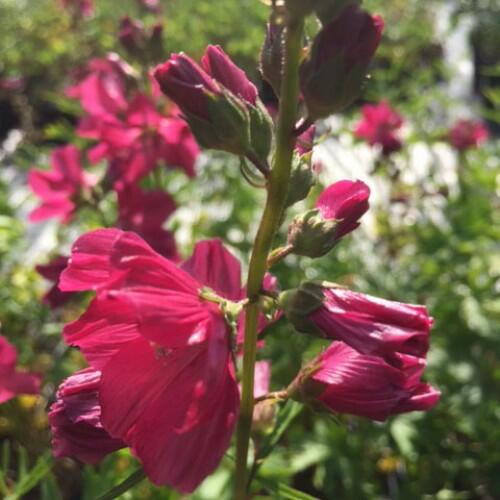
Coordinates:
(428, 241)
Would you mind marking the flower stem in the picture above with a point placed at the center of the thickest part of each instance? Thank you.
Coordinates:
(275, 204)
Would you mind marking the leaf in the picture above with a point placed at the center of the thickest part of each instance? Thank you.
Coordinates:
(284, 491)
(30, 479)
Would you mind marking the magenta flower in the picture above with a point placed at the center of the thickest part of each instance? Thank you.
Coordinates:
(262, 378)
(13, 382)
(337, 213)
(379, 126)
(345, 381)
(189, 86)
(466, 134)
(305, 141)
(368, 324)
(345, 201)
(218, 64)
(137, 144)
(59, 188)
(131, 33)
(144, 213)
(156, 341)
(52, 271)
(372, 325)
(101, 91)
(75, 420)
(219, 102)
(332, 76)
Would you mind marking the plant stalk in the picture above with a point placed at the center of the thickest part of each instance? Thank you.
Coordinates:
(271, 218)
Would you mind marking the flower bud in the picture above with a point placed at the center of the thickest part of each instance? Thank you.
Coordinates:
(131, 34)
(317, 231)
(271, 56)
(368, 324)
(302, 179)
(217, 118)
(219, 102)
(342, 380)
(332, 75)
(218, 64)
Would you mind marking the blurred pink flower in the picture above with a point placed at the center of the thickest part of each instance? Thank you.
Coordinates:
(466, 134)
(149, 322)
(345, 381)
(75, 420)
(51, 272)
(139, 142)
(144, 213)
(101, 88)
(379, 126)
(12, 381)
(60, 187)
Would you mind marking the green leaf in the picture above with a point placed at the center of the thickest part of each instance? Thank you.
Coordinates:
(30, 479)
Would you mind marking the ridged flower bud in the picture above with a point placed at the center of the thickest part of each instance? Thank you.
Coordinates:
(333, 73)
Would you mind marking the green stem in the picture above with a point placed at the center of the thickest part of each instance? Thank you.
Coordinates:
(275, 204)
(135, 478)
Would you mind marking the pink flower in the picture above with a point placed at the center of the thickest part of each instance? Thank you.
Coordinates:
(101, 91)
(13, 382)
(345, 381)
(137, 144)
(332, 75)
(337, 213)
(60, 187)
(379, 126)
(144, 213)
(156, 341)
(218, 64)
(75, 420)
(52, 271)
(305, 141)
(131, 33)
(219, 102)
(80, 8)
(183, 81)
(262, 378)
(372, 325)
(466, 134)
(345, 201)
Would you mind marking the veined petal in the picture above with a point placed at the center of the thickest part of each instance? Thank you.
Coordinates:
(179, 410)
(214, 266)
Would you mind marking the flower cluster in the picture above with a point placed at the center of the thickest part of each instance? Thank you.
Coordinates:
(168, 340)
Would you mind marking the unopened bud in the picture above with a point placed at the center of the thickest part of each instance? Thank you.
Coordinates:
(271, 56)
(302, 179)
(333, 74)
(317, 231)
